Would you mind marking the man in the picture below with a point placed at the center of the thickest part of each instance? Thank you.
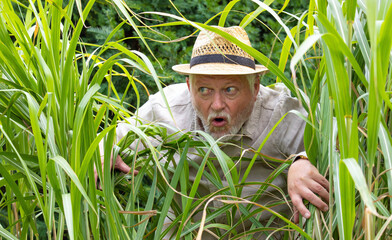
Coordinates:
(223, 97)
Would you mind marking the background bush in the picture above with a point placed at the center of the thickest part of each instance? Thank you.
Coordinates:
(52, 117)
(167, 43)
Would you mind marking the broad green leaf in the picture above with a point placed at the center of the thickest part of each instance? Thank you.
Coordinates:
(340, 21)
(170, 193)
(250, 17)
(360, 182)
(363, 43)
(6, 234)
(68, 214)
(386, 147)
(284, 55)
(68, 170)
(91, 150)
(226, 12)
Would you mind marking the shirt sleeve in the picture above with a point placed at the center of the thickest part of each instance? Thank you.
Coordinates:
(144, 115)
(292, 127)
(155, 110)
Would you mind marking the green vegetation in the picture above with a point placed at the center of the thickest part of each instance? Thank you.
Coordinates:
(55, 109)
(173, 44)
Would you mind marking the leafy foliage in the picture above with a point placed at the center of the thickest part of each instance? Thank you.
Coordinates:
(53, 116)
(172, 45)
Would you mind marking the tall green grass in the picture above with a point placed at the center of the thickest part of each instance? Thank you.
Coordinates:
(352, 115)
(53, 118)
(51, 121)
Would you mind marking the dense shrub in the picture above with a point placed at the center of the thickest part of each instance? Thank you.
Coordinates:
(105, 17)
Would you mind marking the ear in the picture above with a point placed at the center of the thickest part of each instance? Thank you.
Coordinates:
(187, 83)
(256, 86)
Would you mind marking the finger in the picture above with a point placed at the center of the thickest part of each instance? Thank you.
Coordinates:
(296, 215)
(299, 205)
(315, 200)
(320, 190)
(323, 181)
(97, 184)
(121, 165)
(95, 177)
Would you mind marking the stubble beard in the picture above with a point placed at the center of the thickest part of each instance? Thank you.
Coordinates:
(232, 127)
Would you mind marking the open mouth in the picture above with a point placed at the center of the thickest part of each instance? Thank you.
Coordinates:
(219, 122)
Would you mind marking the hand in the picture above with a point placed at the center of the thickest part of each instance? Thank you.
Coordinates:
(305, 182)
(119, 165)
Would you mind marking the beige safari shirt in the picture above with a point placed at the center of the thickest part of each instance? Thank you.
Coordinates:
(270, 106)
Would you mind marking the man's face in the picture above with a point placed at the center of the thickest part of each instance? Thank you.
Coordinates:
(223, 103)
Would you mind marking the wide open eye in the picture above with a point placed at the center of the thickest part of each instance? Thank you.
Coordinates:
(204, 91)
(231, 91)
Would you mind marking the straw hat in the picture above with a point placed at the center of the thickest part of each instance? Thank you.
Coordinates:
(214, 55)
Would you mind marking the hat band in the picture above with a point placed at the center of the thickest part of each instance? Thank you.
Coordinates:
(219, 58)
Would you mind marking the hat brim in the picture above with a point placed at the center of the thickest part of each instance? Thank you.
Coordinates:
(218, 69)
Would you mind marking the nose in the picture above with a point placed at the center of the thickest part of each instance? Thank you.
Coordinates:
(218, 102)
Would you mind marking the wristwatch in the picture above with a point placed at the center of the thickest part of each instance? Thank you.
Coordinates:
(300, 156)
